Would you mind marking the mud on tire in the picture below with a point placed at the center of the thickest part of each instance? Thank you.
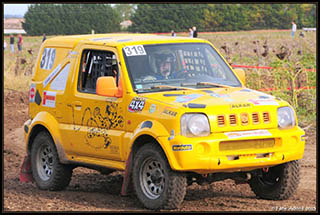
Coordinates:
(276, 183)
(156, 185)
(47, 171)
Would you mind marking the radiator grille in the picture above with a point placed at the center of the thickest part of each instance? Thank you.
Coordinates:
(255, 118)
(266, 117)
(233, 119)
(221, 120)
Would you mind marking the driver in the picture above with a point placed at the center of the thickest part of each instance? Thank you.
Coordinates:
(164, 64)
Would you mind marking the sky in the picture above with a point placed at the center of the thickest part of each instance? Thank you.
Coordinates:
(15, 9)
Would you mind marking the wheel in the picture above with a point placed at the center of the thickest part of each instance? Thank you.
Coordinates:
(276, 183)
(47, 171)
(156, 185)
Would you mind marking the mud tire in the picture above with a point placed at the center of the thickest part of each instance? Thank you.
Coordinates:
(279, 183)
(47, 171)
(149, 162)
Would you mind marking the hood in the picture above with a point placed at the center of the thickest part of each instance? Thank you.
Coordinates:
(239, 108)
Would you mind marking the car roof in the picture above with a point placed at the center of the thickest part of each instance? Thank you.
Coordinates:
(115, 39)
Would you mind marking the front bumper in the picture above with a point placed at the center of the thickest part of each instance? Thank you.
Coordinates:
(210, 154)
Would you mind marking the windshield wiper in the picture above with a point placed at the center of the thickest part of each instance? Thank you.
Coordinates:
(209, 84)
(161, 88)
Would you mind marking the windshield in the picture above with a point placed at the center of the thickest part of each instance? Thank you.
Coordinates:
(177, 66)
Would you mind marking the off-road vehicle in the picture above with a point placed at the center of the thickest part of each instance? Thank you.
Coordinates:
(168, 111)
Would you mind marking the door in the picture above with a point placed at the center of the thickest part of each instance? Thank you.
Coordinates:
(97, 121)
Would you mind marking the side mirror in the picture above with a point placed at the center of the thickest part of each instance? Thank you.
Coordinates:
(106, 86)
(241, 75)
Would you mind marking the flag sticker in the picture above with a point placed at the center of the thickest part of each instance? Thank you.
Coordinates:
(32, 93)
(49, 99)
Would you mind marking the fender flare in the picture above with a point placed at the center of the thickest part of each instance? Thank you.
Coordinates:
(42, 118)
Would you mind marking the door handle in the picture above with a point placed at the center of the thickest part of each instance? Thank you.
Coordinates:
(77, 104)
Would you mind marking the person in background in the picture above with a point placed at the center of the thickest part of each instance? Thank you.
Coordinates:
(4, 45)
(19, 42)
(195, 32)
(44, 37)
(190, 32)
(173, 33)
(11, 43)
(294, 29)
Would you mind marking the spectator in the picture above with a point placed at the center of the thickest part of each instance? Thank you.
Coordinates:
(173, 33)
(294, 29)
(190, 32)
(11, 43)
(44, 37)
(20, 42)
(4, 45)
(195, 32)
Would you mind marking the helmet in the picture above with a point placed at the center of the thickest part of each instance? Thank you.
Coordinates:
(160, 58)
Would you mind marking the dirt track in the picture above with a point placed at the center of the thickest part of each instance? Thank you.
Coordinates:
(91, 191)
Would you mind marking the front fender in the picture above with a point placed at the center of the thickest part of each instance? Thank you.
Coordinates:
(48, 121)
(158, 132)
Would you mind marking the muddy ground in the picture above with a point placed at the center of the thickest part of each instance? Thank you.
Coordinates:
(91, 191)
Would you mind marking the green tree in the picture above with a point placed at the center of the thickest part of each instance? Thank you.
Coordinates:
(167, 17)
(70, 19)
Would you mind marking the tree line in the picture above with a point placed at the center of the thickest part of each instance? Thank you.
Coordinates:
(66, 19)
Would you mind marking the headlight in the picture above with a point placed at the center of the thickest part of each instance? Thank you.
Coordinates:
(286, 117)
(194, 125)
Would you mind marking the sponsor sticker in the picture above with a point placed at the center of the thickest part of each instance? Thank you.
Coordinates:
(234, 106)
(217, 95)
(137, 104)
(187, 98)
(253, 133)
(263, 101)
(32, 93)
(59, 82)
(49, 99)
(169, 112)
(152, 108)
(182, 147)
(51, 75)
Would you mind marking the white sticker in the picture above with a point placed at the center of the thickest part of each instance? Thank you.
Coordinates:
(32, 93)
(49, 99)
(47, 58)
(134, 50)
(263, 102)
(51, 75)
(59, 83)
(253, 133)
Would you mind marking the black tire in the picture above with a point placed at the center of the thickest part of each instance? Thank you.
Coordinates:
(278, 183)
(156, 185)
(47, 171)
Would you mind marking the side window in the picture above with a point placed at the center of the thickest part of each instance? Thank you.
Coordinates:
(95, 64)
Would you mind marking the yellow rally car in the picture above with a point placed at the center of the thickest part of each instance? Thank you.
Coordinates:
(169, 111)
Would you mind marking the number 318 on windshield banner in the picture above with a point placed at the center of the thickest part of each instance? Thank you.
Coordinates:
(134, 50)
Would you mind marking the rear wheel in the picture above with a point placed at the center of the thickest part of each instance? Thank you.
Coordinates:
(276, 183)
(47, 171)
(156, 185)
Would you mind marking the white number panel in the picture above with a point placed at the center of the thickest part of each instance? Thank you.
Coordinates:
(47, 58)
(134, 50)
